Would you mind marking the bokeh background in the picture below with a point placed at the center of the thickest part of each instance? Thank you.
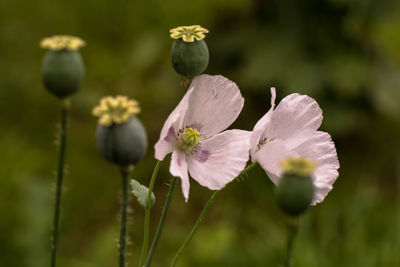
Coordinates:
(345, 54)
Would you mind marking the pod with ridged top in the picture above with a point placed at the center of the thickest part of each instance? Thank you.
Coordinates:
(189, 51)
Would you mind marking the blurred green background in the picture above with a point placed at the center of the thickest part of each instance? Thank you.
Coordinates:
(345, 54)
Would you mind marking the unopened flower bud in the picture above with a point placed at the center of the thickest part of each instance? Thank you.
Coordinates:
(295, 190)
(121, 137)
(62, 67)
(189, 52)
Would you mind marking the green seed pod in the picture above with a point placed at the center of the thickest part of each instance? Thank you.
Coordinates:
(62, 67)
(189, 59)
(294, 193)
(123, 144)
(62, 72)
(189, 52)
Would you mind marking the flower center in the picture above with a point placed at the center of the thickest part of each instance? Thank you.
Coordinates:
(190, 137)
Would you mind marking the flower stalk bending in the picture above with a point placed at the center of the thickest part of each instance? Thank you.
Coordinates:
(201, 217)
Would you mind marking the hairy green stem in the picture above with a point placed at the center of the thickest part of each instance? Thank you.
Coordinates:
(293, 225)
(162, 222)
(125, 171)
(201, 217)
(147, 215)
(60, 176)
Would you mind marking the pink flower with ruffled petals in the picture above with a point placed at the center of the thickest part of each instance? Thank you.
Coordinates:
(193, 133)
(290, 130)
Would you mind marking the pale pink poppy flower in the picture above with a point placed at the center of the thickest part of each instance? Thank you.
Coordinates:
(193, 134)
(290, 130)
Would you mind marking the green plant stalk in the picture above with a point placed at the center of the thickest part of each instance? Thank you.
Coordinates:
(195, 227)
(59, 183)
(397, 240)
(125, 171)
(293, 225)
(201, 217)
(147, 214)
(162, 222)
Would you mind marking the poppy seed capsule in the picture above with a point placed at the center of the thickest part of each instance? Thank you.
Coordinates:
(294, 193)
(62, 67)
(189, 59)
(189, 51)
(295, 190)
(123, 144)
(62, 72)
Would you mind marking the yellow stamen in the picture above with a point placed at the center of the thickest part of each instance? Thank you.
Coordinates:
(115, 110)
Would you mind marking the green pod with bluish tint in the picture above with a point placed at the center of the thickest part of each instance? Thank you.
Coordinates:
(123, 144)
(189, 58)
(62, 72)
(294, 193)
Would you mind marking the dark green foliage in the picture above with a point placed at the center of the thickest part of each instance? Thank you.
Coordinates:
(189, 59)
(123, 144)
(62, 72)
(294, 193)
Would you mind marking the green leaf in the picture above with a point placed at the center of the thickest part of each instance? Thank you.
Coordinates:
(141, 193)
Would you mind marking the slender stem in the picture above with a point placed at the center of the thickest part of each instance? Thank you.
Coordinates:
(396, 247)
(162, 222)
(60, 177)
(201, 217)
(194, 229)
(248, 168)
(125, 171)
(147, 215)
(293, 225)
